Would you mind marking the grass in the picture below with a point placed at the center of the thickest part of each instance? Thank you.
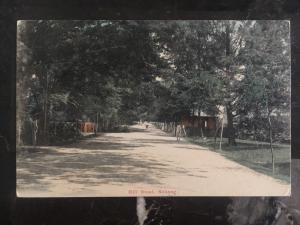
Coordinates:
(256, 156)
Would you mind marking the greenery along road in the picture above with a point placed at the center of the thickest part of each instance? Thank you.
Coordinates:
(114, 72)
(255, 155)
(144, 162)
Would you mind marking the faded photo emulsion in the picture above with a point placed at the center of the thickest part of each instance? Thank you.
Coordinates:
(153, 108)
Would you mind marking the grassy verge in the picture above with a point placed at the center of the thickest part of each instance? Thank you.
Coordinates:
(256, 156)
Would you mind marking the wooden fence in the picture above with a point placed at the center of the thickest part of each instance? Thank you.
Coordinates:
(170, 127)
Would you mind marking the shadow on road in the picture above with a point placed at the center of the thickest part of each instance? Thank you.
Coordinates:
(90, 168)
(36, 167)
(192, 148)
(137, 129)
(161, 134)
(105, 159)
(156, 141)
(106, 146)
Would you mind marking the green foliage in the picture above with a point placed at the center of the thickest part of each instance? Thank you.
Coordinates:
(266, 90)
(63, 132)
(84, 68)
(116, 72)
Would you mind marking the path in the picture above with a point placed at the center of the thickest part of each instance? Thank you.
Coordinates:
(144, 162)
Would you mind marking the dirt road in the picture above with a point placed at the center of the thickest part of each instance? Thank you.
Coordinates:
(142, 162)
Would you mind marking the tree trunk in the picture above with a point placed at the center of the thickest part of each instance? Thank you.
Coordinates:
(221, 135)
(35, 131)
(97, 123)
(174, 128)
(107, 124)
(19, 110)
(255, 135)
(201, 130)
(103, 124)
(45, 127)
(215, 136)
(271, 139)
(19, 132)
(230, 127)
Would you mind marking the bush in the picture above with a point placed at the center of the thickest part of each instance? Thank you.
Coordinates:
(280, 129)
(60, 132)
(120, 129)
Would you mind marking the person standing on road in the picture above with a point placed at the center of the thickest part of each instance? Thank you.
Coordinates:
(180, 130)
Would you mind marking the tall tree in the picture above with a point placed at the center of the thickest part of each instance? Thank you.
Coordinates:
(267, 74)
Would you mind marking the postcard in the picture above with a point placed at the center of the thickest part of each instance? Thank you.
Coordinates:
(124, 108)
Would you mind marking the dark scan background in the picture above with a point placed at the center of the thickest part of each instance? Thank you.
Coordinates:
(115, 211)
(165, 211)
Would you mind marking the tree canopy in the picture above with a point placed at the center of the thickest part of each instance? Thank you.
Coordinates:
(122, 71)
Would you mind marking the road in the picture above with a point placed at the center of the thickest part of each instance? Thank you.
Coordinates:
(142, 162)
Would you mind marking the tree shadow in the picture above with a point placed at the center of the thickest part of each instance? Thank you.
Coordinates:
(161, 134)
(107, 146)
(100, 160)
(155, 141)
(282, 169)
(36, 168)
(136, 129)
(248, 147)
(193, 148)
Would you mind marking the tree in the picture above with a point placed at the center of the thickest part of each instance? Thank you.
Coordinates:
(191, 80)
(93, 63)
(267, 74)
(116, 72)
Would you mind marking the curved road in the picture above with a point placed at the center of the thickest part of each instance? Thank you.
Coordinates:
(142, 162)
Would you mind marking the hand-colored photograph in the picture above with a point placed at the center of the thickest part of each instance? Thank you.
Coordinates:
(124, 108)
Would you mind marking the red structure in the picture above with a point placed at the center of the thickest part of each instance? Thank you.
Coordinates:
(88, 127)
(207, 123)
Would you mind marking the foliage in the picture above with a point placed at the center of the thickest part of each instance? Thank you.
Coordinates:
(117, 72)
(84, 69)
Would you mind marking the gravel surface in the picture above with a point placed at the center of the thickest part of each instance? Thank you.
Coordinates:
(142, 162)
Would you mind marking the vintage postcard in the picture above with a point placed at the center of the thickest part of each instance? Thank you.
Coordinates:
(113, 108)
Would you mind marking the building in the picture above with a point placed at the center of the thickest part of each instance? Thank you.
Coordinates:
(87, 127)
(200, 125)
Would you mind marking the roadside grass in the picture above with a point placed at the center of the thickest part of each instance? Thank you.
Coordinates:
(255, 155)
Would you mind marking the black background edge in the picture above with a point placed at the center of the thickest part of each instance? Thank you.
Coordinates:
(15, 210)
